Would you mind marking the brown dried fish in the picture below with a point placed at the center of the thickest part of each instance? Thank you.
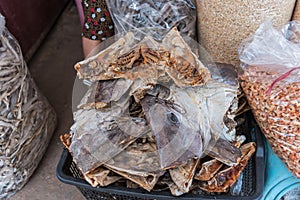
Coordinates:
(183, 175)
(148, 60)
(225, 152)
(99, 135)
(183, 65)
(100, 176)
(102, 93)
(169, 128)
(211, 167)
(208, 170)
(138, 162)
(97, 67)
(224, 179)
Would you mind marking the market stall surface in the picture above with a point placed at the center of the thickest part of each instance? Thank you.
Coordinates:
(52, 69)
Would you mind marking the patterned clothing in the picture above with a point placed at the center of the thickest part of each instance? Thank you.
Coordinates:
(98, 24)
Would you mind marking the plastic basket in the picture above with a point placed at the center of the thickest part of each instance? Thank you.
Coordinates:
(252, 182)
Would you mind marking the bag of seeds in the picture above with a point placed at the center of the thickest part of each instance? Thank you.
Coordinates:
(270, 78)
(27, 121)
(154, 17)
(224, 24)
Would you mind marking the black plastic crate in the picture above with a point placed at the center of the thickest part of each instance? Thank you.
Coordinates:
(252, 182)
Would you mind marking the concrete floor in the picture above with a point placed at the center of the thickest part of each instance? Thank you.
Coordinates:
(52, 69)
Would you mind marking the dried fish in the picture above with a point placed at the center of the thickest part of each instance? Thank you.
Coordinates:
(138, 162)
(184, 67)
(211, 167)
(102, 177)
(102, 93)
(96, 67)
(153, 111)
(208, 170)
(147, 60)
(183, 175)
(27, 120)
(169, 128)
(154, 17)
(224, 179)
(107, 133)
(225, 152)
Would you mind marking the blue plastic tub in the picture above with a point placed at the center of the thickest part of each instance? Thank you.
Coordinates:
(278, 179)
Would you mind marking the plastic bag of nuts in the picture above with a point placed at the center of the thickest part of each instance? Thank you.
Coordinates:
(270, 78)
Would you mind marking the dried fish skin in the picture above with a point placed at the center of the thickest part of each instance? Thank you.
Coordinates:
(225, 152)
(99, 135)
(224, 179)
(145, 182)
(183, 175)
(139, 158)
(214, 99)
(183, 65)
(102, 93)
(211, 167)
(139, 162)
(101, 177)
(96, 67)
(170, 128)
(147, 60)
(175, 191)
(208, 170)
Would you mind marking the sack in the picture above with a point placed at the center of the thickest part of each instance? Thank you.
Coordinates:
(27, 121)
(223, 24)
(271, 82)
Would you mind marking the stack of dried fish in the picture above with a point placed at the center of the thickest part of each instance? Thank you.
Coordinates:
(153, 111)
(27, 121)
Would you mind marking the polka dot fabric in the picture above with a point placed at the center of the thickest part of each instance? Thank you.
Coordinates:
(98, 24)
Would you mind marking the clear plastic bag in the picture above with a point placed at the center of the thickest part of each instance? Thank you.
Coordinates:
(27, 121)
(270, 80)
(155, 17)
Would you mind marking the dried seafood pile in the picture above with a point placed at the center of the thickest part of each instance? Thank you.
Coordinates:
(152, 112)
(27, 121)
